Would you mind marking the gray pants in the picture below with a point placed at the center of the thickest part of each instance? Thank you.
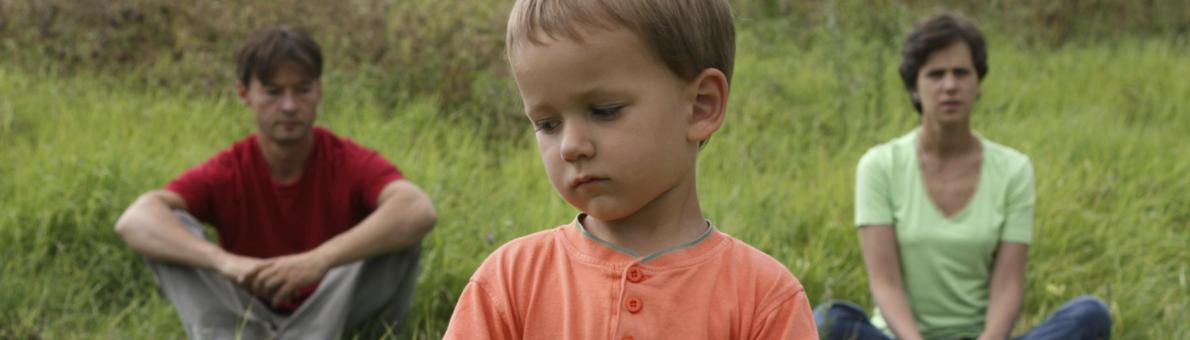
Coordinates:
(375, 292)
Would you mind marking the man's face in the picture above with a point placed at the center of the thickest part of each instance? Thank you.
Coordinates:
(947, 84)
(611, 121)
(285, 106)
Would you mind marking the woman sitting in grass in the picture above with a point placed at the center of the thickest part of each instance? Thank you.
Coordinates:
(945, 216)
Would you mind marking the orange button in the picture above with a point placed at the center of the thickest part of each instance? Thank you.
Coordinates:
(633, 304)
(629, 337)
(635, 275)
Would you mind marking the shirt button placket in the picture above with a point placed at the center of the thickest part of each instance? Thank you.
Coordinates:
(633, 305)
(635, 275)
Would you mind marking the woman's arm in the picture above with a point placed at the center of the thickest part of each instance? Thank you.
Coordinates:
(1007, 290)
(879, 244)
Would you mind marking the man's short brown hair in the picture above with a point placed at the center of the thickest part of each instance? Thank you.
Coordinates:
(935, 33)
(689, 36)
(268, 48)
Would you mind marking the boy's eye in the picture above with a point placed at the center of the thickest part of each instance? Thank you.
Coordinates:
(272, 91)
(545, 125)
(605, 111)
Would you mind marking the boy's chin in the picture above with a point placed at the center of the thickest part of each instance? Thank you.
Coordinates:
(601, 217)
(606, 213)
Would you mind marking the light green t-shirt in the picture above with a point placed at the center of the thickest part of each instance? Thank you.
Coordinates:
(946, 264)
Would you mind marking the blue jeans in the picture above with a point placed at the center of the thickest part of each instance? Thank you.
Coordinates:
(1084, 317)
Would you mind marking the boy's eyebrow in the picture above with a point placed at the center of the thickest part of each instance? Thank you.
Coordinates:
(597, 92)
(532, 111)
(601, 93)
(538, 109)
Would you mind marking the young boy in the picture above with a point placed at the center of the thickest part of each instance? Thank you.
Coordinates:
(622, 94)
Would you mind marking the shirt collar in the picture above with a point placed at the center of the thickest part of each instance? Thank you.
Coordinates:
(596, 249)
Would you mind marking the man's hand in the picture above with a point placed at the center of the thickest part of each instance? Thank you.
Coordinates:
(237, 267)
(278, 279)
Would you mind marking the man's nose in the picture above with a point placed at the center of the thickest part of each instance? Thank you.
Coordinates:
(289, 102)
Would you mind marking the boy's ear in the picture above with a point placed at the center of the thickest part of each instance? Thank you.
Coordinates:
(710, 91)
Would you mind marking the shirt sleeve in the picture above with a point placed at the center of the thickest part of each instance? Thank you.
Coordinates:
(790, 320)
(873, 204)
(479, 315)
(374, 173)
(197, 186)
(1018, 224)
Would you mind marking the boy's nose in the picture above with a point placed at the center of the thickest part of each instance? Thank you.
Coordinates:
(576, 144)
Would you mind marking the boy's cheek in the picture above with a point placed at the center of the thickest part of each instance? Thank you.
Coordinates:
(555, 179)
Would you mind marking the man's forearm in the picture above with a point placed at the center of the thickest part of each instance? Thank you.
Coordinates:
(404, 216)
(150, 227)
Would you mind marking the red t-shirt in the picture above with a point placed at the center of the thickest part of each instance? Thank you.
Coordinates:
(255, 216)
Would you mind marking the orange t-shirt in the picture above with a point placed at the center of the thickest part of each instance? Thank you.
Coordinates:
(564, 283)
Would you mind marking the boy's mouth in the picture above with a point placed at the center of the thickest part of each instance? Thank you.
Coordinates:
(585, 179)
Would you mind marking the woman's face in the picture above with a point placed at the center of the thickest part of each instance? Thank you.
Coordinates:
(947, 85)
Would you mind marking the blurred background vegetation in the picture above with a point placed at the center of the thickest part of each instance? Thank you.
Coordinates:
(452, 50)
(101, 100)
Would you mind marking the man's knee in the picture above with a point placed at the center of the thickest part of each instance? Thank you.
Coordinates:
(404, 262)
(192, 224)
(377, 271)
(412, 252)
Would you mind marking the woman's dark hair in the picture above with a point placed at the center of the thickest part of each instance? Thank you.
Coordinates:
(933, 34)
(268, 48)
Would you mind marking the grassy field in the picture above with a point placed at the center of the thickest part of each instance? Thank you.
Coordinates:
(1105, 124)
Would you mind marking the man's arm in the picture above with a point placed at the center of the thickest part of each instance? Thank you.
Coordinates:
(150, 228)
(1007, 290)
(403, 216)
(879, 245)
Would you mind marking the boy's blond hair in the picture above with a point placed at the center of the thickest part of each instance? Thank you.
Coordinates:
(689, 36)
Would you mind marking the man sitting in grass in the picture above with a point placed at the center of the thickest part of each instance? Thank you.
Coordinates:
(317, 234)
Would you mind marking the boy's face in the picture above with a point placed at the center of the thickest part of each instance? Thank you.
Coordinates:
(286, 106)
(613, 124)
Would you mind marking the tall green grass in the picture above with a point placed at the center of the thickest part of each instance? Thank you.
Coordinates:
(1104, 123)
